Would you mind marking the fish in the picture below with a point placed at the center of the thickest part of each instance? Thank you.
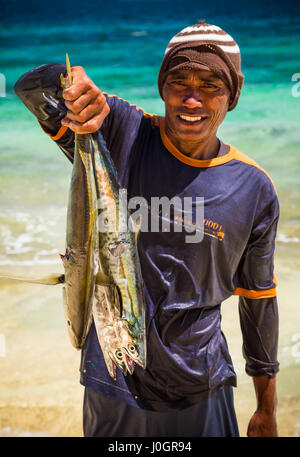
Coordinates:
(102, 273)
(119, 263)
(119, 310)
(80, 258)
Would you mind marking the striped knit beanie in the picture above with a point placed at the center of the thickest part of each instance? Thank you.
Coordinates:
(205, 47)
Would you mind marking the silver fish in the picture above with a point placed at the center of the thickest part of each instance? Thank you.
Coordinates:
(119, 260)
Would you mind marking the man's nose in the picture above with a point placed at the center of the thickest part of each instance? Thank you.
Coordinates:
(193, 98)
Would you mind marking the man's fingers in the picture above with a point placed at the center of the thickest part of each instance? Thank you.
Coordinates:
(73, 92)
(88, 99)
(81, 84)
(90, 126)
(90, 111)
(79, 103)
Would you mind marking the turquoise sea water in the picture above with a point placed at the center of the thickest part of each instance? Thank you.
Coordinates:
(121, 47)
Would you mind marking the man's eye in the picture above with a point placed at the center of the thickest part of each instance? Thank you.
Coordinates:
(177, 83)
(211, 86)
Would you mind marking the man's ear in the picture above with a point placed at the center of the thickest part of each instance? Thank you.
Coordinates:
(162, 91)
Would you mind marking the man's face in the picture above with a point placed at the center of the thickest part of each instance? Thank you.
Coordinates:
(196, 103)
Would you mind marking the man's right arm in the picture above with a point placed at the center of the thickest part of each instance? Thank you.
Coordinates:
(87, 107)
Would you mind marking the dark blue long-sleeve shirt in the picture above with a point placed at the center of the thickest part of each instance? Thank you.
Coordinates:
(185, 283)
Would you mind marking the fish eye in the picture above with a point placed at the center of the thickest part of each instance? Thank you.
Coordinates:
(131, 348)
(119, 355)
(105, 221)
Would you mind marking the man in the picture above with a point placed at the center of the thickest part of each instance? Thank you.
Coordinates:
(186, 389)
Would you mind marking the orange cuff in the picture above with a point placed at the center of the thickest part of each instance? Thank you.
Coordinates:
(255, 293)
(59, 134)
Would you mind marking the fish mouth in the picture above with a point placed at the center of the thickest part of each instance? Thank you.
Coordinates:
(133, 359)
(119, 363)
(130, 364)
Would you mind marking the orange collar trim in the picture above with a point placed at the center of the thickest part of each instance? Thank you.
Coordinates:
(189, 160)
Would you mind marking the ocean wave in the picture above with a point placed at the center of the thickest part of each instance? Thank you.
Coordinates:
(139, 33)
(290, 351)
(26, 239)
(282, 238)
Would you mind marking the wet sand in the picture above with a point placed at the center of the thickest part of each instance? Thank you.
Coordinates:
(288, 378)
(40, 394)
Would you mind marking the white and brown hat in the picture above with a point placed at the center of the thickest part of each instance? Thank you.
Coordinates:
(205, 47)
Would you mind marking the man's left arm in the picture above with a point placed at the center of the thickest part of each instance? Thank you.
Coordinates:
(259, 324)
(258, 311)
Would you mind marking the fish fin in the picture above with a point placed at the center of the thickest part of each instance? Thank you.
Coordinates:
(62, 81)
(69, 72)
(50, 280)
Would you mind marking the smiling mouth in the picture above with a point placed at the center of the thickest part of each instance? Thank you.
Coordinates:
(191, 119)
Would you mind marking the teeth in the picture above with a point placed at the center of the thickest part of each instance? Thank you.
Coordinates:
(191, 119)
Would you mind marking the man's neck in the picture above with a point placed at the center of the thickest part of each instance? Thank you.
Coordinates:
(201, 150)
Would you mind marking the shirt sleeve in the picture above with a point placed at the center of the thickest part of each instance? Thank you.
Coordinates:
(256, 286)
(119, 129)
(259, 325)
(255, 274)
(30, 88)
